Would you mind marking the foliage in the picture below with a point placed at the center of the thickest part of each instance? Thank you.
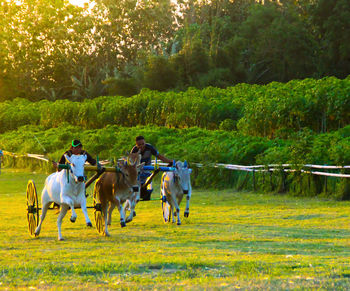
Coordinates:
(159, 74)
(54, 50)
(203, 146)
(272, 110)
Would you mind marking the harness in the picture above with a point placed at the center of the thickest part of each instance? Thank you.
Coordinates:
(68, 168)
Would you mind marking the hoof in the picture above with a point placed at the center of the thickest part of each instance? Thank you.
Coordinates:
(128, 220)
(107, 234)
(178, 223)
(186, 214)
(89, 224)
(72, 219)
(134, 214)
(123, 224)
(60, 238)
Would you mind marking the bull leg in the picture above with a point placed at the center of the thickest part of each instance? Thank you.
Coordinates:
(131, 203)
(110, 210)
(177, 209)
(165, 200)
(172, 213)
(42, 217)
(128, 206)
(105, 214)
(64, 209)
(70, 203)
(187, 210)
(121, 211)
(84, 209)
(73, 218)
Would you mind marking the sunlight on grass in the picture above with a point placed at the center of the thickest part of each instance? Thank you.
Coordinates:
(231, 240)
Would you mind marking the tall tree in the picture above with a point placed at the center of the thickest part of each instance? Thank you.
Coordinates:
(332, 20)
(42, 42)
(124, 28)
(277, 44)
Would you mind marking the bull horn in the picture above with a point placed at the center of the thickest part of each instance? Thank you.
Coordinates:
(67, 158)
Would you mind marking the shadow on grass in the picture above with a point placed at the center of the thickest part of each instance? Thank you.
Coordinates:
(275, 240)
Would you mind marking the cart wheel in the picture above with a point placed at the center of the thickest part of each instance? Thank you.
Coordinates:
(166, 210)
(99, 218)
(32, 208)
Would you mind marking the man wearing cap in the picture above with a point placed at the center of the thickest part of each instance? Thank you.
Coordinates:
(76, 149)
(147, 150)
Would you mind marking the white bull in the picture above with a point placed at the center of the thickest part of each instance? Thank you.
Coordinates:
(68, 192)
(174, 186)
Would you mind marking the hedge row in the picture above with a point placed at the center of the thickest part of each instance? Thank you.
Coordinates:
(273, 110)
(198, 145)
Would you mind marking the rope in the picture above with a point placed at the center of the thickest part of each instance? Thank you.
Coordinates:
(256, 168)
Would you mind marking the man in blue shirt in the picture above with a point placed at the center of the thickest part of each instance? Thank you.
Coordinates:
(147, 151)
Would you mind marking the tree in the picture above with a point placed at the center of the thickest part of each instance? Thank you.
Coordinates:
(278, 45)
(42, 44)
(331, 19)
(159, 74)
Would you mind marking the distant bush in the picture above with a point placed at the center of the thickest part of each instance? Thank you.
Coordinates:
(273, 110)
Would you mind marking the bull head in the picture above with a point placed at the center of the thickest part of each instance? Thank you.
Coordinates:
(182, 176)
(76, 163)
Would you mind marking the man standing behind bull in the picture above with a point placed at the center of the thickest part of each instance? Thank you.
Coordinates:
(76, 149)
(147, 150)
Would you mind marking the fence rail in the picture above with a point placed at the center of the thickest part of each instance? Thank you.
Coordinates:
(254, 168)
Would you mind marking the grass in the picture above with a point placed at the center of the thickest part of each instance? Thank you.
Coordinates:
(230, 241)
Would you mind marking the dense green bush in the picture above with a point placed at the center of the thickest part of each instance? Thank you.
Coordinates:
(273, 110)
(198, 145)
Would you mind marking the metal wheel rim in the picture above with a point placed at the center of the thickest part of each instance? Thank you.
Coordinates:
(32, 207)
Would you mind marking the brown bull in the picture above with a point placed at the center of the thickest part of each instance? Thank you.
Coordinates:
(116, 188)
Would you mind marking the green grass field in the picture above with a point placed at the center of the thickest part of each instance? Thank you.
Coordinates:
(230, 241)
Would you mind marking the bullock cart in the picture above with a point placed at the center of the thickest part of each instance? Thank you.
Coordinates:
(33, 208)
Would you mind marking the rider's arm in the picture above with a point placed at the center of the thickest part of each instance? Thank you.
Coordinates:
(90, 159)
(159, 156)
(164, 159)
